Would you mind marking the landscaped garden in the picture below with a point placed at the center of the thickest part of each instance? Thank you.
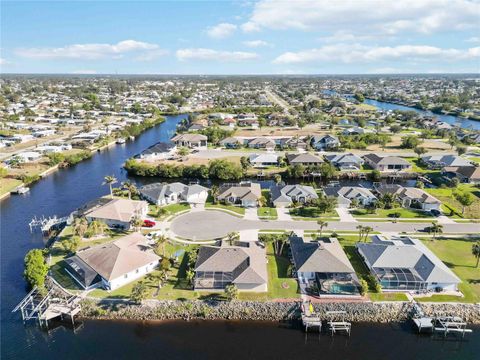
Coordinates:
(310, 213)
(391, 213)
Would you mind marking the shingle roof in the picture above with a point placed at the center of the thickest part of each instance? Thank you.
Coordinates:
(386, 160)
(303, 158)
(118, 209)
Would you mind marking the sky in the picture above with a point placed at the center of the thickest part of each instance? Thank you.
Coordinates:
(240, 37)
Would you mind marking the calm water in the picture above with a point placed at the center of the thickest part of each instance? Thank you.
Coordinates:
(65, 190)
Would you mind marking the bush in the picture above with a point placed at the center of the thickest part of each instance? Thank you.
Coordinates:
(363, 287)
(36, 268)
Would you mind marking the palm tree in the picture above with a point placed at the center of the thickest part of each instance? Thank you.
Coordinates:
(110, 180)
(367, 230)
(436, 228)
(476, 251)
(214, 193)
(80, 226)
(361, 230)
(159, 277)
(160, 242)
(136, 222)
(130, 187)
(322, 224)
(232, 237)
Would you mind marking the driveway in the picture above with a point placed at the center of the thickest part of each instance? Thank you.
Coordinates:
(345, 215)
(283, 214)
(211, 224)
(251, 214)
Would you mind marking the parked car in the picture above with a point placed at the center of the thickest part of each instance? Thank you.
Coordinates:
(435, 212)
(148, 223)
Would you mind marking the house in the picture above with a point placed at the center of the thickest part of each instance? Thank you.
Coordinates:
(243, 265)
(440, 161)
(28, 156)
(305, 159)
(245, 194)
(196, 127)
(164, 194)
(402, 263)
(386, 163)
(262, 143)
(159, 151)
(191, 141)
(294, 142)
(345, 161)
(231, 143)
(116, 213)
(325, 142)
(355, 130)
(263, 160)
(247, 119)
(283, 196)
(466, 174)
(114, 264)
(410, 197)
(324, 264)
(346, 194)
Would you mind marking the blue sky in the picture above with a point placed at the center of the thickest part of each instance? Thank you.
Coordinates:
(240, 37)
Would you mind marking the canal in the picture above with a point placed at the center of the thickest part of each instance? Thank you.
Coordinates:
(66, 190)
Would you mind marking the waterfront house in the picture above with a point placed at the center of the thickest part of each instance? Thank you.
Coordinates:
(465, 174)
(345, 161)
(28, 156)
(173, 193)
(263, 160)
(191, 141)
(305, 159)
(324, 266)
(117, 213)
(410, 197)
(159, 151)
(325, 142)
(286, 195)
(387, 163)
(440, 161)
(346, 194)
(262, 143)
(402, 263)
(243, 265)
(245, 194)
(114, 264)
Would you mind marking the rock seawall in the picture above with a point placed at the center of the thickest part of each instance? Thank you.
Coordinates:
(267, 311)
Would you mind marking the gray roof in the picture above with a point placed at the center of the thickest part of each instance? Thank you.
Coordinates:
(340, 159)
(325, 256)
(446, 160)
(286, 192)
(386, 160)
(159, 147)
(303, 158)
(161, 190)
(406, 253)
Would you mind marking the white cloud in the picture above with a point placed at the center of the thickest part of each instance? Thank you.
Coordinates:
(4, 61)
(256, 43)
(84, 72)
(384, 16)
(221, 31)
(151, 55)
(87, 51)
(354, 53)
(473, 39)
(216, 55)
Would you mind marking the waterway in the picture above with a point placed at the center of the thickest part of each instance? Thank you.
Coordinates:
(66, 190)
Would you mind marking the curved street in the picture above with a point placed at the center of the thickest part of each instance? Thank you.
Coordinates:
(213, 224)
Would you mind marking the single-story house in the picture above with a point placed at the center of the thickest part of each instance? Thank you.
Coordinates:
(114, 264)
(355, 130)
(325, 264)
(466, 174)
(243, 265)
(410, 197)
(305, 159)
(117, 213)
(231, 143)
(293, 142)
(164, 194)
(262, 143)
(245, 194)
(159, 151)
(440, 161)
(403, 263)
(387, 163)
(345, 161)
(283, 196)
(325, 142)
(346, 194)
(263, 160)
(191, 141)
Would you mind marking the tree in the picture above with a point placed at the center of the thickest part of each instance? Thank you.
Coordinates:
(71, 244)
(80, 226)
(160, 242)
(367, 230)
(130, 187)
(476, 251)
(136, 222)
(139, 292)
(97, 227)
(361, 230)
(363, 287)
(159, 277)
(165, 264)
(461, 150)
(419, 150)
(262, 201)
(232, 237)
(327, 171)
(436, 228)
(214, 192)
(278, 179)
(36, 268)
(110, 180)
(244, 163)
(183, 151)
(231, 292)
(359, 97)
(464, 198)
(410, 142)
(322, 224)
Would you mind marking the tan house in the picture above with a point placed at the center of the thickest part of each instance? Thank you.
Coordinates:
(117, 213)
(244, 194)
(191, 141)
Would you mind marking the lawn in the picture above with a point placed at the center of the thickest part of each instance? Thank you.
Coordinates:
(308, 212)
(236, 209)
(457, 255)
(445, 195)
(387, 297)
(267, 213)
(387, 213)
(8, 184)
(418, 166)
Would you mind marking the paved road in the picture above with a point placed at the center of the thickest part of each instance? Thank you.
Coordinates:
(211, 224)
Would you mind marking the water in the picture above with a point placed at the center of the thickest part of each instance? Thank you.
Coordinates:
(67, 189)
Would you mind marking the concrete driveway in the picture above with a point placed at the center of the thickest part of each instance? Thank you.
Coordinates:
(283, 214)
(345, 215)
(251, 214)
(212, 224)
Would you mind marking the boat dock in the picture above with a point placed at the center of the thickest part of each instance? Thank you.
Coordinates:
(335, 320)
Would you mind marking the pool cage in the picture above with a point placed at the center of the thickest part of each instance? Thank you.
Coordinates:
(399, 279)
(212, 279)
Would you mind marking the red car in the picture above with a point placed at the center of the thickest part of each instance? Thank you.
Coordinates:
(148, 223)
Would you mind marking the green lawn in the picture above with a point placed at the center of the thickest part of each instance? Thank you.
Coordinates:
(308, 213)
(387, 213)
(236, 209)
(457, 255)
(267, 213)
(445, 195)
(8, 184)
(418, 166)
(387, 297)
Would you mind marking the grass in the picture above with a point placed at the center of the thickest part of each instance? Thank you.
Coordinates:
(445, 195)
(387, 213)
(419, 167)
(236, 209)
(267, 213)
(387, 297)
(310, 212)
(457, 255)
(8, 184)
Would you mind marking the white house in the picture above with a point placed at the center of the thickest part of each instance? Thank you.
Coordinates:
(117, 213)
(164, 194)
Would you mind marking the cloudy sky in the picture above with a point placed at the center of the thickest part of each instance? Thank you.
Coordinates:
(241, 37)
